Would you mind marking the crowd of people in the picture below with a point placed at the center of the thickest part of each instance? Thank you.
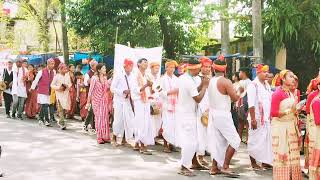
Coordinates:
(200, 111)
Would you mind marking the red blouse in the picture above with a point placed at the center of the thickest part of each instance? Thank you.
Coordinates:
(311, 96)
(278, 96)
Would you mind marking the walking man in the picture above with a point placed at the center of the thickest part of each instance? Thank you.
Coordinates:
(19, 90)
(259, 101)
(8, 78)
(223, 139)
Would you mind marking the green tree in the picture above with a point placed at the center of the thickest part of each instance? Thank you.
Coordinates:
(142, 23)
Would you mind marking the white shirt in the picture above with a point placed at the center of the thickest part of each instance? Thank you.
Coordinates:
(167, 84)
(244, 84)
(119, 85)
(18, 85)
(187, 90)
(263, 94)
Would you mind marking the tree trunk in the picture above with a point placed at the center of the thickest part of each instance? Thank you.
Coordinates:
(257, 31)
(168, 41)
(225, 36)
(44, 26)
(64, 33)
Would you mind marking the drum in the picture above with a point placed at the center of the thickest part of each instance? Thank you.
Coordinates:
(3, 86)
(204, 119)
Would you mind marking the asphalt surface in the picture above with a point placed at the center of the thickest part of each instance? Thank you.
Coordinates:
(33, 152)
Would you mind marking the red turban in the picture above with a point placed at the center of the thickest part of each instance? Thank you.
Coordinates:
(62, 66)
(205, 61)
(127, 62)
(220, 68)
(221, 57)
(262, 68)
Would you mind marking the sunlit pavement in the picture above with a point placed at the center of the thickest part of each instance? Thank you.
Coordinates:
(32, 152)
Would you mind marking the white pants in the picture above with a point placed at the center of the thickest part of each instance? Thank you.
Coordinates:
(221, 134)
(143, 124)
(123, 120)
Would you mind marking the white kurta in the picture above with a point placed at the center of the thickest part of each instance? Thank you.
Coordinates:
(143, 125)
(156, 119)
(202, 130)
(260, 140)
(187, 118)
(18, 84)
(168, 116)
(123, 114)
(63, 97)
(221, 130)
(42, 98)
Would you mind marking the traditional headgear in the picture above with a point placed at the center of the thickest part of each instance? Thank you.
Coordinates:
(193, 64)
(93, 62)
(171, 62)
(262, 68)
(221, 57)
(62, 66)
(51, 60)
(276, 81)
(205, 61)
(127, 62)
(218, 67)
(283, 73)
(153, 64)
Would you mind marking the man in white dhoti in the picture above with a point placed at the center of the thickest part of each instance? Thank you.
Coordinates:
(223, 139)
(189, 96)
(203, 110)
(259, 101)
(140, 94)
(169, 96)
(123, 124)
(155, 98)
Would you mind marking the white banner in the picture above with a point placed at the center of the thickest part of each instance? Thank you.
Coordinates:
(122, 52)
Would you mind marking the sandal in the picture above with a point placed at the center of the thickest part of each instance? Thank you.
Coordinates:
(213, 173)
(145, 152)
(230, 174)
(200, 168)
(186, 173)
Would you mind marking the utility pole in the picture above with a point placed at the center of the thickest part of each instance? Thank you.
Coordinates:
(257, 30)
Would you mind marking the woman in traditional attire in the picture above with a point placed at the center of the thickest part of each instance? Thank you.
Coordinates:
(314, 134)
(285, 132)
(98, 98)
(61, 84)
(81, 95)
(73, 93)
(31, 107)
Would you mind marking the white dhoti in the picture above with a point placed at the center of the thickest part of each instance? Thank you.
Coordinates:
(123, 120)
(143, 125)
(188, 139)
(169, 127)
(260, 143)
(221, 134)
(202, 136)
(156, 124)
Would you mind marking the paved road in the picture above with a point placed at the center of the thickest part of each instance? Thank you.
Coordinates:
(31, 152)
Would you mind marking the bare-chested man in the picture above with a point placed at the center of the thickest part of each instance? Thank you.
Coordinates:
(223, 136)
